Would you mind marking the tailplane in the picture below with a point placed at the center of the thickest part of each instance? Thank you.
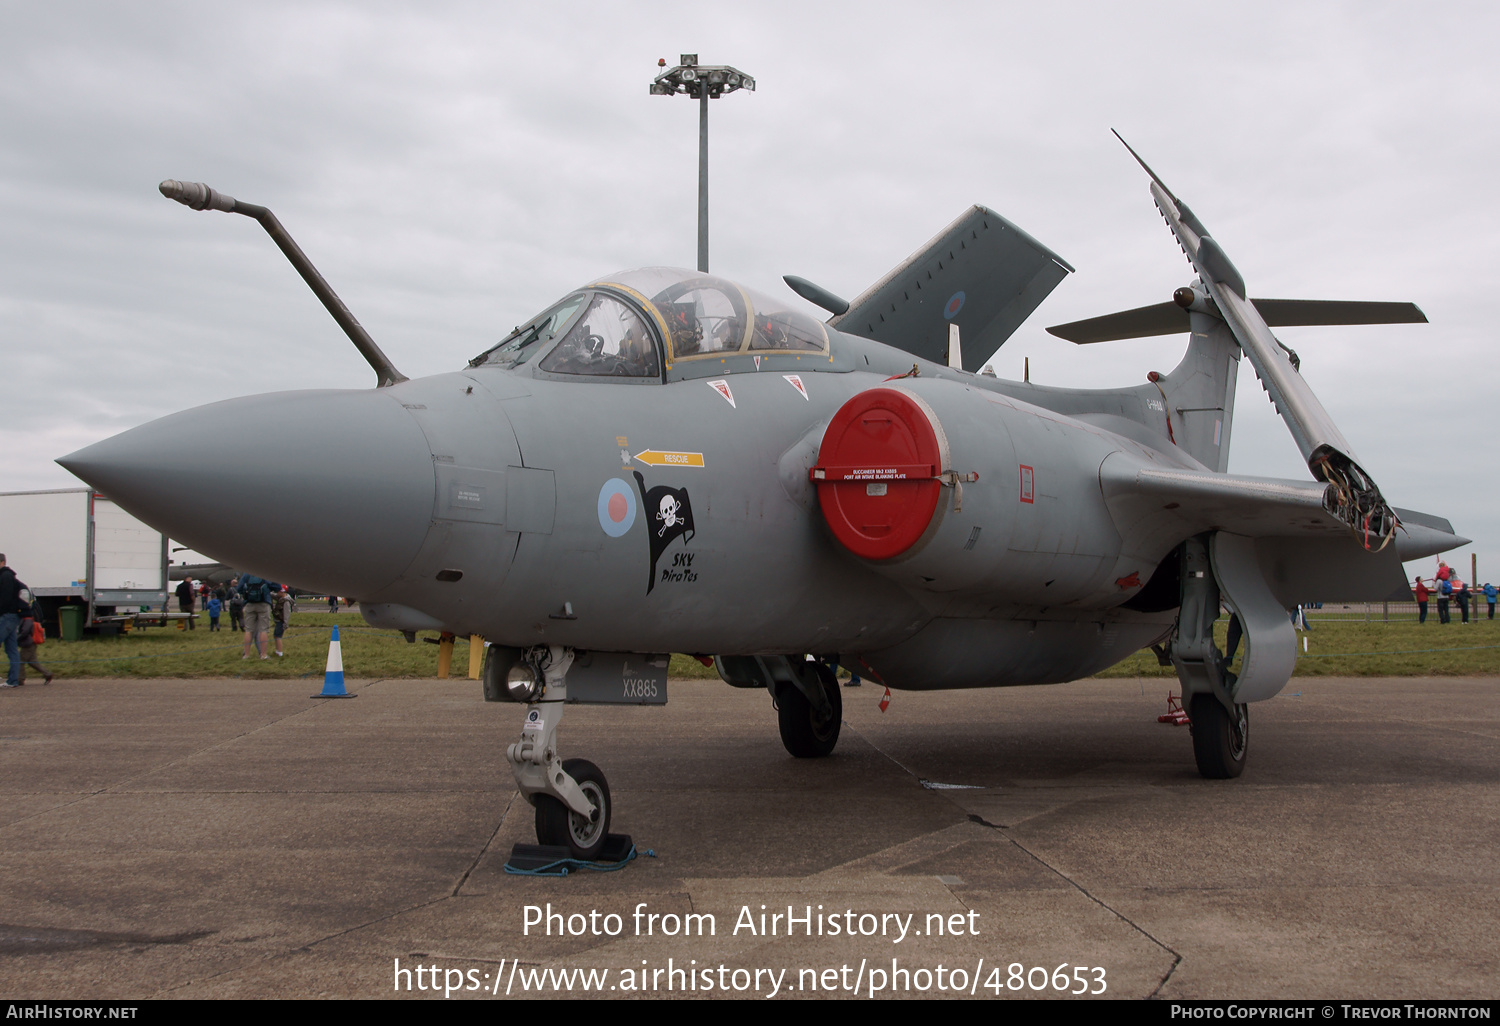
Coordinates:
(1171, 318)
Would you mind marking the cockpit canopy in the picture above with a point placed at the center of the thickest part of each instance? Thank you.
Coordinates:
(634, 323)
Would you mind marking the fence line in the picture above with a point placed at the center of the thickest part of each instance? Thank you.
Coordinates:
(1392, 612)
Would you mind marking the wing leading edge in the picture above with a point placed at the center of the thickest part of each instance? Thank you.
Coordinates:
(1303, 547)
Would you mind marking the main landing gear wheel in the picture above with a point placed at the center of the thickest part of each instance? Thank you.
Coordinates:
(557, 824)
(804, 733)
(1219, 739)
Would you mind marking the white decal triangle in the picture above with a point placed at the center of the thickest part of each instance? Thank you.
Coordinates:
(721, 386)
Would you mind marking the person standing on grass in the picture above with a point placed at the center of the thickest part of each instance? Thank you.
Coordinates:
(215, 607)
(236, 605)
(1420, 590)
(185, 602)
(1461, 592)
(257, 592)
(1489, 598)
(1444, 591)
(281, 609)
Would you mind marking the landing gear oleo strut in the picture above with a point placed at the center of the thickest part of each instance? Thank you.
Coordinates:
(571, 796)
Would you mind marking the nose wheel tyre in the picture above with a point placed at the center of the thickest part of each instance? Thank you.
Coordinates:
(804, 733)
(1220, 740)
(557, 824)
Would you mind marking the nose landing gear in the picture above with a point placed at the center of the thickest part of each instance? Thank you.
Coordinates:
(571, 797)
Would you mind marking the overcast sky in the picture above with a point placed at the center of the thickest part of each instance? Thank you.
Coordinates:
(453, 168)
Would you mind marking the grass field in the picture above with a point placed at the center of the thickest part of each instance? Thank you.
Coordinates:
(1352, 648)
(169, 652)
(1341, 649)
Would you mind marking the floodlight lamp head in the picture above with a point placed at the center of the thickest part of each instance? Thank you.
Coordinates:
(698, 81)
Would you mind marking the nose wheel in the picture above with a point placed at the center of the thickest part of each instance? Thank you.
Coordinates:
(583, 835)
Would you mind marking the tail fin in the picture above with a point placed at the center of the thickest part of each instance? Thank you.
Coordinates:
(1199, 393)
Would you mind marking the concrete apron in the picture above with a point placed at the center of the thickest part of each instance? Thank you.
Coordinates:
(237, 839)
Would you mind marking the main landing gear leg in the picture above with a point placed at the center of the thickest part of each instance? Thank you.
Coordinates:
(1220, 725)
(571, 796)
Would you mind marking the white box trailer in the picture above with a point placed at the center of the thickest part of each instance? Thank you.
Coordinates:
(73, 546)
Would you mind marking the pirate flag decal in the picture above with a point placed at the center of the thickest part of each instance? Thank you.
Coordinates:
(668, 515)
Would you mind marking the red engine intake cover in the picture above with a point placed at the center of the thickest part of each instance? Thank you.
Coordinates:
(877, 472)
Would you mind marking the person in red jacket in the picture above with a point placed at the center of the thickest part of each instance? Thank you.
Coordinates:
(1420, 590)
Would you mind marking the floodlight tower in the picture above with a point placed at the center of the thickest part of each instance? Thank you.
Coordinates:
(701, 83)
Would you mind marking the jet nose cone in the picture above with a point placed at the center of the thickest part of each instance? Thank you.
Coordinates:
(327, 490)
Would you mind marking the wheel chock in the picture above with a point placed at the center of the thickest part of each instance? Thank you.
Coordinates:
(533, 858)
(1175, 714)
(556, 860)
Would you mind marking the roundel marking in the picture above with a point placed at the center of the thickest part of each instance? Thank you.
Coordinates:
(616, 507)
(955, 304)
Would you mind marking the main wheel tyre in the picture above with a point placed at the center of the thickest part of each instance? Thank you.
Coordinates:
(804, 733)
(1220, 740)
(557, 824)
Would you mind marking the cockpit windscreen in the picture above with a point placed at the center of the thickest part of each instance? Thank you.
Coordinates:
(523, 343)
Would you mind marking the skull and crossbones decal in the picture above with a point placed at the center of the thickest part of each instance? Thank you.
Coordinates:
(668, 514)
(671, 513)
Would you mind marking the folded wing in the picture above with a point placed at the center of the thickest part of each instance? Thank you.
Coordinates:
(981, 272)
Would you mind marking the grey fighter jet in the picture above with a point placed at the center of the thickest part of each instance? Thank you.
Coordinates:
(666, 461)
